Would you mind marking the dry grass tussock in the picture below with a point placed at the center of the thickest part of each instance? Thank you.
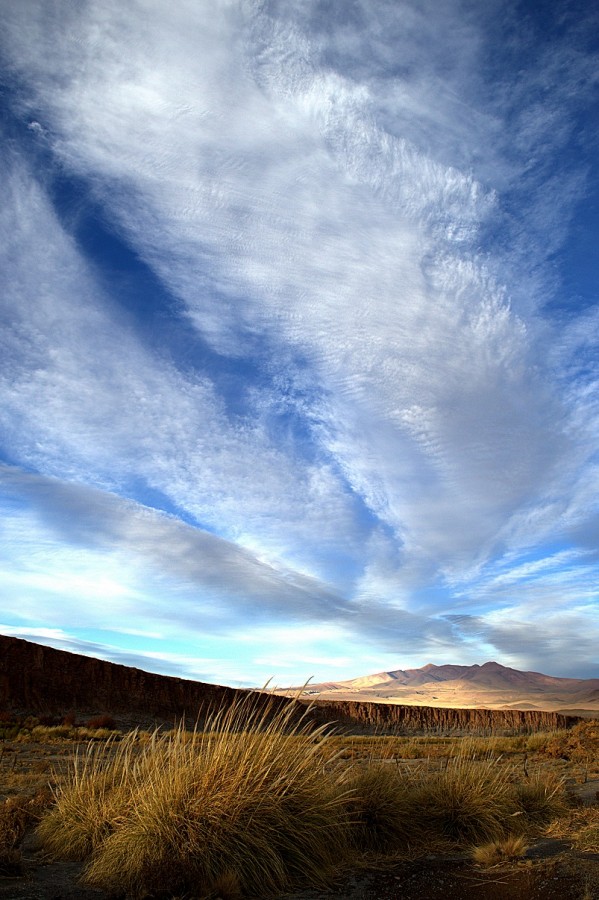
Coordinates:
(467, 802)
(539, 799)
(497, 852)
(260, 801)
(382, 809)
(17, 815)
(581, 826)
(244, 801)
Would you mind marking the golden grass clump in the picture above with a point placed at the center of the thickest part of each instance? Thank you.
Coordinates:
(496, 852)
(466, 802)
(380, 802)
(539, 800)
(89, 800)
(244, 802)
(260, 800)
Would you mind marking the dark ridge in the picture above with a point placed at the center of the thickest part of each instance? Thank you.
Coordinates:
(391, 718)
(39, 679)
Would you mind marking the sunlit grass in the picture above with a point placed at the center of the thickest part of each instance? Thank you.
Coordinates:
(499, 851)
(259, 801)
(245, 800)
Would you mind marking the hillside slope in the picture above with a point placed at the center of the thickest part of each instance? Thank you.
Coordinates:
(490, 686)
(37, 678)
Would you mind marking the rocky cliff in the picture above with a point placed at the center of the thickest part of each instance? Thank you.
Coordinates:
(35, 678)
(393, 718)
(38, 679)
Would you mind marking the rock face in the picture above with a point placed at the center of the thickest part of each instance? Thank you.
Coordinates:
(35, 678)
(38, 679)
(394, 718)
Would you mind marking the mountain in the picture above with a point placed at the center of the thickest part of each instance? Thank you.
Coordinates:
(490, 686)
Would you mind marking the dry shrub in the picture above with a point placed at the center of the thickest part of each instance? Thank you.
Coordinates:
(13, 820)
(258, 801)
(410, 750)
(96, 734)
(542, 740)
(89, 800)
(17, 815)
(381, 807)
(473, 801)
(579, 744)
(103, 721)
(245, 801)
(49, 734)
(539, 800)
(227, 887)
(588, 837)
(580, 826)
(496, 852)
(465, 803)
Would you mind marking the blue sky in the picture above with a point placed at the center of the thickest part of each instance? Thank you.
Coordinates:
(299, 344)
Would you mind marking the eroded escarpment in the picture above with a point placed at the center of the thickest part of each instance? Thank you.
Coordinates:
(398, 719)
(39, 679)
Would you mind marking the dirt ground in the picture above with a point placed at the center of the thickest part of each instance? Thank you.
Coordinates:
(549, 872)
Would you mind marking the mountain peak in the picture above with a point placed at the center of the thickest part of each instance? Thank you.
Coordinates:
(491, 685)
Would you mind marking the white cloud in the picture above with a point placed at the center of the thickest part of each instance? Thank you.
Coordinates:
(316, 197)
(90, 544)
(84, 399)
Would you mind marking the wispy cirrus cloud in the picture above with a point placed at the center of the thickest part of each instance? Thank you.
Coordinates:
(348, 224)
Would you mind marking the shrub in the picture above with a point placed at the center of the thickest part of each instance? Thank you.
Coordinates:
(259, 800)
(17, 814)
(539, 800)
(245, 803)
(579, 826)
(542, 740)
(466, 802)
(9, 732)
(381, 808)
(103, 721)
(12, 829)
(88, 801)
(50, 733)
(496, 852)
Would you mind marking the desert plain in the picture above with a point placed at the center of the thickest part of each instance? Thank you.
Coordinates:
(259, 800)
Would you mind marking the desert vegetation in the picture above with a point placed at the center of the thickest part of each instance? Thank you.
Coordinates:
(259, 800)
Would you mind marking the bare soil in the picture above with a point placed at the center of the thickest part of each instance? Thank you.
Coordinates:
(551, 871)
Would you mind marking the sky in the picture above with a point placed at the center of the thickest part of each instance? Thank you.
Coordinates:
(299, 343)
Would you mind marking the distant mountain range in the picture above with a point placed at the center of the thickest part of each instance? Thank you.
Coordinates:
(490, 686)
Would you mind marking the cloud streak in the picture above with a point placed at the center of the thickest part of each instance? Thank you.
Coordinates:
(361, 409)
